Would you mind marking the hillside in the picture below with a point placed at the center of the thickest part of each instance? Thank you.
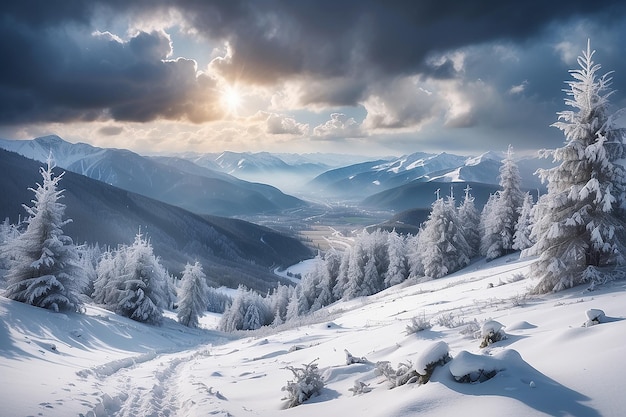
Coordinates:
(232, 251)
(100, 364)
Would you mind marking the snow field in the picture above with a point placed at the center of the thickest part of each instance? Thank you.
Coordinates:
(105, 365)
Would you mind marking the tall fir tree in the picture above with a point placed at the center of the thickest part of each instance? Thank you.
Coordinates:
(503, 215)
(192, 301)
(469, 221)
(45, 271)
(524, 226)
(398, 269)
(490, 242)
(444, 247)
(580, 231)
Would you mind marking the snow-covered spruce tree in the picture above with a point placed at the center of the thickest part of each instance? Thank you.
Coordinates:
(505, 212)
(490, 242)
(109, 275)
(398, 268)
(580, 228)
(523, 228)
(8, 232)
(332, 260)
(45, 271)
(142, 294)
(415, 253)
(278, 301)
(444, 247)
(356, 269)
(192, 298)
(342, 275)
(469, 221)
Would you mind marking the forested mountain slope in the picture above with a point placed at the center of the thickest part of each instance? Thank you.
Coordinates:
(232, 251)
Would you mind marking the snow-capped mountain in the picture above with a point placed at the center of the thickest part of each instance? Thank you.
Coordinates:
(64, 153)
(203, 191)
(370, 178)
(262, 167)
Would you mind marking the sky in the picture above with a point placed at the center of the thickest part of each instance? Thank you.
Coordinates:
(353, 76)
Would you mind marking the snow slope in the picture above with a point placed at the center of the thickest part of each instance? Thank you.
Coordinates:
(100, 364)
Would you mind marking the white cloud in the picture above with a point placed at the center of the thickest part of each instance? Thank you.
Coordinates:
(279, 124)
(339, 126)
(518, 89)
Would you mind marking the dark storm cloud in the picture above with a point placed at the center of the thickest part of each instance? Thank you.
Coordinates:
(111, 130)
(54, 69)
(281, 38)
(59, 68)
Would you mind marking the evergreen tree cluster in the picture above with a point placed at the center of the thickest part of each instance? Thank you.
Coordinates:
(132, 282)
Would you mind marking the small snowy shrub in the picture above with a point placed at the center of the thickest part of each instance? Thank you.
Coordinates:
(360, 387)
(405, 374)
(518, 300)
(308, 382)
(594, 316)
(491, 332)
(449, 320)
(418, 324)
(471, 329)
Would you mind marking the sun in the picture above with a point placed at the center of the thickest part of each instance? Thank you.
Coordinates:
(231, 99)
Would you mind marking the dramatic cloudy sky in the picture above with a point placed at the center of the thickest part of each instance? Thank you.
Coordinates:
(360, 76)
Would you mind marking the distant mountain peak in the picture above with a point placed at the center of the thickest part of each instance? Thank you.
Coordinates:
(489, 155)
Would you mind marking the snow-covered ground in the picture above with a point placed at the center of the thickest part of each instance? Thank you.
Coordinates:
(549, 364)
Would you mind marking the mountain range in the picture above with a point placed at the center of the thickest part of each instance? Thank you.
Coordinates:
(174, 181)
(232, 251)
(374, 181)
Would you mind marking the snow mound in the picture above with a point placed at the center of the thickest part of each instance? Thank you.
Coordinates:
(437, 352)
(521, 325)
(594, 316)
(468, 367)
(490, 326)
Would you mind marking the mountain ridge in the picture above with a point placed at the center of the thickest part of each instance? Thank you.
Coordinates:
(232, 251)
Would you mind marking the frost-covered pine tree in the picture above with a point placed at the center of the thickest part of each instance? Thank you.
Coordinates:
(8, 232)
(45, 271)
(580, 228)
(143, 286)
(332, 260)
(322, 293)
(192, 298)
(342, 275)
(490, 241)
(356, 269)
(502, 212)
(398, 268)
(109, 275)
(444, 249)
(523, 228)
(415, 253)
(469, 221)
